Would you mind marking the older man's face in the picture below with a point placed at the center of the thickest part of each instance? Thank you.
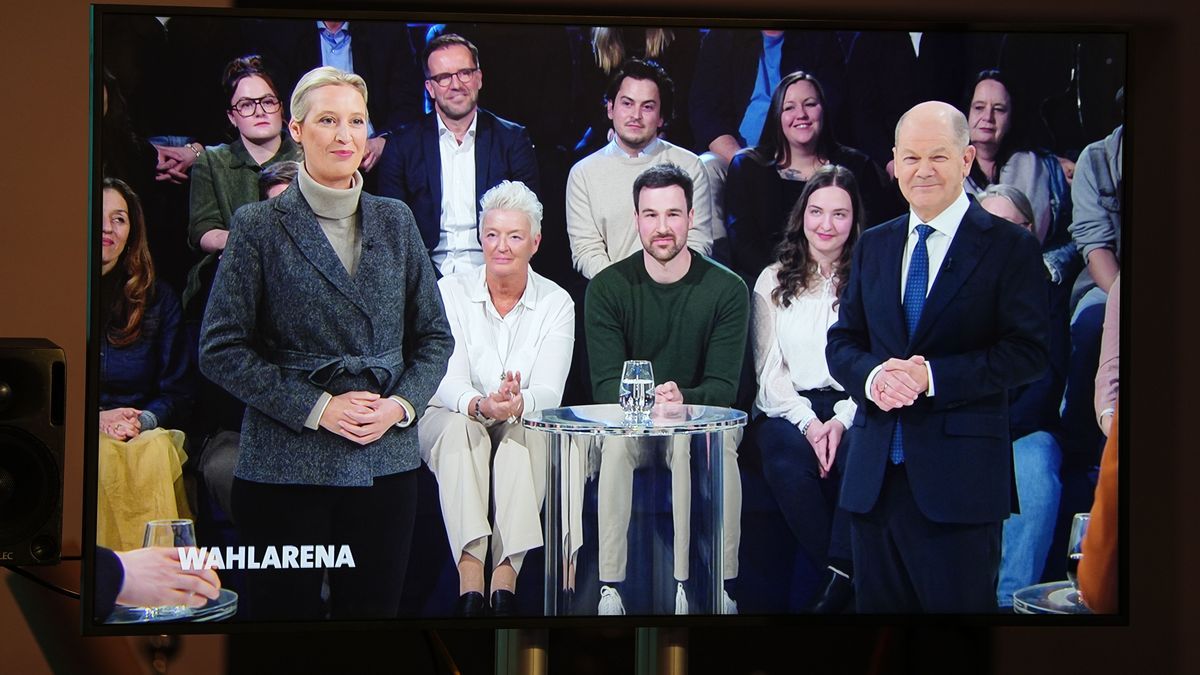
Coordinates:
(931, 163)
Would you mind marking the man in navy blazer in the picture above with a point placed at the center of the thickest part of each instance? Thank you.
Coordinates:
(442, 164)
(944, 312)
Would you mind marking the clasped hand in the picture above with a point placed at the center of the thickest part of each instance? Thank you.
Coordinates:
(121, 423)
(361, 416)
(506, 403)
(900, 382)
(825, 437)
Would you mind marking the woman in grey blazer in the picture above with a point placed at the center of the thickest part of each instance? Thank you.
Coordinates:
(325, 319)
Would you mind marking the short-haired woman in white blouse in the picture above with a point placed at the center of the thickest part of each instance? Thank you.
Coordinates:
(806, 412)
(513, 335)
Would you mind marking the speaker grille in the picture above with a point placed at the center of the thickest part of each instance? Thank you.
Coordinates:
(29, 485)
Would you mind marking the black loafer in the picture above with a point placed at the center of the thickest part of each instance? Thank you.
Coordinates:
(470, 604)
(835, 597)
(504, 603)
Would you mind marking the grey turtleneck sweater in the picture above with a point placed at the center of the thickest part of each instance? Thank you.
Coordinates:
(337, 213)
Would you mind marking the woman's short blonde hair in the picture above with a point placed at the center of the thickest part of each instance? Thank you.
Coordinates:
(513, 196)
(321, 77)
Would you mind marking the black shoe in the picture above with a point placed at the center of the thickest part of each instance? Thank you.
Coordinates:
(470, 604)
(504, 603)
(835, 597)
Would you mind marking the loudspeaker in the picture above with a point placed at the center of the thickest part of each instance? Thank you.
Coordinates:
(32, 439)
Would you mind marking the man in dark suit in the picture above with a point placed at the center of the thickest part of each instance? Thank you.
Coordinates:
(381, 52)
(442, 164)
(928, 474)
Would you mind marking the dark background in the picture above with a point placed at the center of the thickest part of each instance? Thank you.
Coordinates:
(43, 281)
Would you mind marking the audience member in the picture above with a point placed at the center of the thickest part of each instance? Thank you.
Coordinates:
(145, 376)
(325, 320)
(600, 205)
(1035, 429)
(765, 180)
(506, 319)
(225, 176)
(274, 179)
(806, 413)
(440, 165)
(687, 316)
(1000, 158)
(381, 52)
(928, 476)
(609, 47)
(736, 73)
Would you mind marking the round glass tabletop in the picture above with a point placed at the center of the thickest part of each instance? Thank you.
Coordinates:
(664, 419)
(1055, 597)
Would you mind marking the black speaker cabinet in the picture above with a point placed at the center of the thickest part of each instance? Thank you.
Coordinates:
(32, 437)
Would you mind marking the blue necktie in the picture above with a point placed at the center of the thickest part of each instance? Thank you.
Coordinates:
(914, 302)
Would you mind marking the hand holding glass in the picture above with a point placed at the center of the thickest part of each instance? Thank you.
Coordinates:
(170, 533)
(637, 388)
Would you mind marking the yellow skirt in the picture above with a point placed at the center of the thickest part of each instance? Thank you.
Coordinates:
(140, 480)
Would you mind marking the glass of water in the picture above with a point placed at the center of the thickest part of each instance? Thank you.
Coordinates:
(637, 388)
(174, 533)
(1079, 526)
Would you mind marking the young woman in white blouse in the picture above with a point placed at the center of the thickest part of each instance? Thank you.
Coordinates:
(513, 335)
(805, 413)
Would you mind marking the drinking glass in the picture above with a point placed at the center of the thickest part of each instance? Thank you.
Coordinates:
(171, 533)
(637, 388)
(1079, 526)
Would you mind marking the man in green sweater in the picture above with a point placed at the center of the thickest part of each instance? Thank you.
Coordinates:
(686, 315)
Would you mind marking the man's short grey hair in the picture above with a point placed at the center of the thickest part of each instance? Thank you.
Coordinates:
(317, 78)
(958, 122)
(1015, 196)
(512, 195)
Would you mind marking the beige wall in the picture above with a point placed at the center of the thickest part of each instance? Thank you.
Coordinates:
(43, 171)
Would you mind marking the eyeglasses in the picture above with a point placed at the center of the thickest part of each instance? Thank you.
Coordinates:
(246, 106)
(443, 80)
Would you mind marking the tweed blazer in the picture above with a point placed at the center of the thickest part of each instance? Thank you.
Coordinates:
(286, 322)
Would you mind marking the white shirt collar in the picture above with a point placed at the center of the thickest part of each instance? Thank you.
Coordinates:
(478, 290)
(651, 148)
(442, 130)
(945, 222)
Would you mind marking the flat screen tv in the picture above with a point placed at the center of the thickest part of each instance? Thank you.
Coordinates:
(195, 421)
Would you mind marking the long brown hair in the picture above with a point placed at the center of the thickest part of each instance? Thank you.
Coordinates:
(136, 269)
(609, 49)
(797, 269)
(773, 148)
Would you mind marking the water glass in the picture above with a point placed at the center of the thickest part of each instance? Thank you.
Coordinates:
(637, 388)
(171, 533)
(1075, 547)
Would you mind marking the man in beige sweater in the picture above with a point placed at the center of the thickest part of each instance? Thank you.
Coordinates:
(600, 186)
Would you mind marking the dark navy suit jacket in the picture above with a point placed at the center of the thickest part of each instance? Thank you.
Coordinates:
(411, 167)
(983, 331)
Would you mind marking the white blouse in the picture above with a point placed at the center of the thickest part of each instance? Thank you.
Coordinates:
(535, 338)
(789, 350)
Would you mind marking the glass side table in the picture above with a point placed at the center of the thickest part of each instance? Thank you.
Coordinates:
(564, 472)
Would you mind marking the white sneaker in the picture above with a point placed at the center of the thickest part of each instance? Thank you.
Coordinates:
(610, 602)
(681, 603)
(728, 605)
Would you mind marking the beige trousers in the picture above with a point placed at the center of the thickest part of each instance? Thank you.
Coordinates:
(619, 456)
(459, 451)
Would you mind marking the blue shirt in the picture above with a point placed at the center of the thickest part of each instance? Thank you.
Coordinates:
(764, 86)
(337, 50)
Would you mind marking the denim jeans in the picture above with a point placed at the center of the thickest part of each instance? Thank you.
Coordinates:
(1078, 410)
(1026, 538)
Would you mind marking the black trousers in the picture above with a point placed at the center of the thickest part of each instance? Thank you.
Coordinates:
(906, 563)
(375, 522)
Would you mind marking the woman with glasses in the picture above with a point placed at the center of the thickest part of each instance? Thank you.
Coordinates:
(225, 176)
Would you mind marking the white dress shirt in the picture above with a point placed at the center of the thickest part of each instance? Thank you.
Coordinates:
(458, 248)
(535, 338)
(945, 225)
(789, 350)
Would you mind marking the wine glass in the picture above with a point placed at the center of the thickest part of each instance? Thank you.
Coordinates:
(1079, 526)
(171, 532)
(637, 388)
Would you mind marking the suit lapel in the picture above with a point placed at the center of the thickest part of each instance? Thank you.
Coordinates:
(965, 252)
(483, 153)
(892, 317)
(433, 160)
(296, 218)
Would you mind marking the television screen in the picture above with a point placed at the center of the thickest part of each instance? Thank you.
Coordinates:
(511, 318)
